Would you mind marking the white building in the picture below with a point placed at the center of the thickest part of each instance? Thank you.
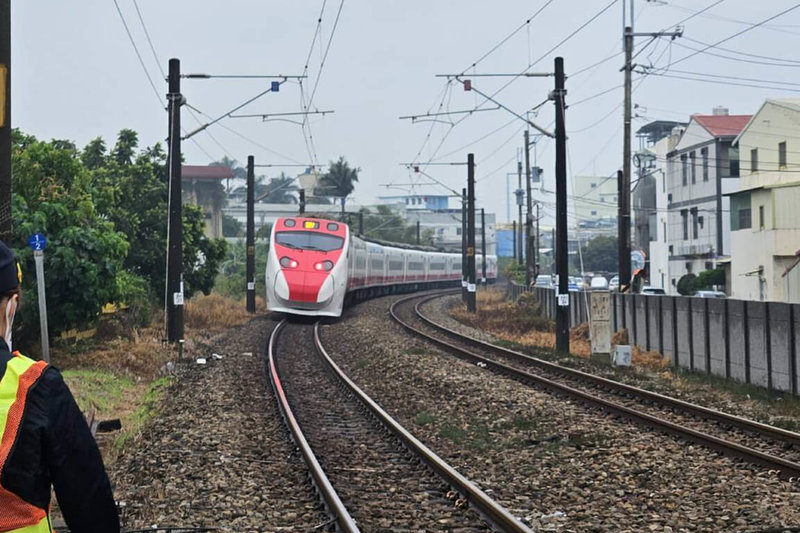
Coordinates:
(764, 215)
(702, 168)
(595, 200)
(658, 253)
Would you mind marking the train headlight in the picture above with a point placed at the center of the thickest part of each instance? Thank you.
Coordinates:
(324, 265)
(288, 262)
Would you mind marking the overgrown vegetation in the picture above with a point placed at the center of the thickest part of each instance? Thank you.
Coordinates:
(496, 314)
(104, 213)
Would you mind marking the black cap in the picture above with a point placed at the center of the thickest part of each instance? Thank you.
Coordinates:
(9, 272)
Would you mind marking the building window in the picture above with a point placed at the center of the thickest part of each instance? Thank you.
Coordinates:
(704, 153)
(754, 160)
(694, 167)
(761, 217)
(694, 222)
(458, 231)
(594, 185)
(685, 221)
(782, 155)
(709, 265)
(745, 221)
(664, 232)
(684, 169)
(594, 213)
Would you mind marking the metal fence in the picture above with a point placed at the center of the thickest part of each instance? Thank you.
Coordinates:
(748, 341)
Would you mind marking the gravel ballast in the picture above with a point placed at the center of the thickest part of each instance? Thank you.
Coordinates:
(558, 465)
(218, 454)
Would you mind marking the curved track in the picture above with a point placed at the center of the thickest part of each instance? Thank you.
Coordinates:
(771, 447)
(361, 464)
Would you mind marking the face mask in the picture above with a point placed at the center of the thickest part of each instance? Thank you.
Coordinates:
(9, 323)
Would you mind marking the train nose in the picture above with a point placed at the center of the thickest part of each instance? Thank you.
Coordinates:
(304, 287)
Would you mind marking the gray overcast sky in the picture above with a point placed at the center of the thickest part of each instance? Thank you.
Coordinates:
(75, 76)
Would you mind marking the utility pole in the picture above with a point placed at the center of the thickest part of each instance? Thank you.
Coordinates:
(624, 177)
(483, 245)
(360, 223)
(624, 196)
(174, 301)
(538, 240)
(514, 229)
(529, 215)
(623, 233)
(519, 206)
(471, 232)
(464, 245)
(250, 257)
(302, 201)
(418, 240)
(562, 257)
(5, 121)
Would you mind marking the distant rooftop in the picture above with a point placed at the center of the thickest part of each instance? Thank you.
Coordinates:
(208, 172)
(722, 125)
(658, 129)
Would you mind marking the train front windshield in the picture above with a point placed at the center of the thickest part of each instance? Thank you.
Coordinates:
(308, 240)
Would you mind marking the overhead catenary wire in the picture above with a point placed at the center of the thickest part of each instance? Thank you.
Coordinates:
(139, 55)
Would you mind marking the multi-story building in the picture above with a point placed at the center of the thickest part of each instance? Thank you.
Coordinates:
(595, 200)
(701, 170)
(764, 214)
(657, 139)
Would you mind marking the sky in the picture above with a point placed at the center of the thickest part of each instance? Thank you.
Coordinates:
(76, 75)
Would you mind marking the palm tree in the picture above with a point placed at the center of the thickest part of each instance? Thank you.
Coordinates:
(340, 180)
(280, 191)
(239, 172)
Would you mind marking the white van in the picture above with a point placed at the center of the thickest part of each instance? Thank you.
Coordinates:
(599, 283)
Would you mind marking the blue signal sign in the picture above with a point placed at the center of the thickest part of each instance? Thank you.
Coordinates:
(37, 242)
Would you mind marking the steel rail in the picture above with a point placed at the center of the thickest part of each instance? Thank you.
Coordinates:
(765, 430)
(786, 468)
(489, 509)
(326, 491)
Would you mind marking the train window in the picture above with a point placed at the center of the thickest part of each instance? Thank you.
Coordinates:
(306, 240)
(376, 264)
(437, 266)
(289, 223)
(395, 265)
(333, 226)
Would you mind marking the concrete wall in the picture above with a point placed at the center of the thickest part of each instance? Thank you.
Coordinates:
(747, 341)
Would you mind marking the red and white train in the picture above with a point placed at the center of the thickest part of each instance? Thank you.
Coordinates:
(316, 266)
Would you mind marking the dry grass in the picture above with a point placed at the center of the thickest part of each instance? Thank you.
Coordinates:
(652, 359)
(522, 322)
(215, 313)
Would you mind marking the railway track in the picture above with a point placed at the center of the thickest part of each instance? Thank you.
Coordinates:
(371, 474)
(757, 443)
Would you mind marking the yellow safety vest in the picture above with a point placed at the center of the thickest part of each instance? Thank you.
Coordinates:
(17, 515)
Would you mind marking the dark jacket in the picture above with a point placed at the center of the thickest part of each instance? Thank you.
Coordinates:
(55, 447)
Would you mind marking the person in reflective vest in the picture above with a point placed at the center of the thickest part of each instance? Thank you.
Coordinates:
(44, 439)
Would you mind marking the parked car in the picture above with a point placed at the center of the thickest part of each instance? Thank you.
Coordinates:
(613, 284)
(652, 290)
(578, 281)
(710, 294)
(543, 280)
(598, 283)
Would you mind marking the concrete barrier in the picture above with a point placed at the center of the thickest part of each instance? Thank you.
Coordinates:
(748, 341)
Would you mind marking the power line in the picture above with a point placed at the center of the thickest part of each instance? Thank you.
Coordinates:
(749, 28)
(525, 24)
(737, 59)
(149, 41)
(793, 61)
(726, 83)
(138, 55)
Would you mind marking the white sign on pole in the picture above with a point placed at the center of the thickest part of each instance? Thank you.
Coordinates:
(38, 257)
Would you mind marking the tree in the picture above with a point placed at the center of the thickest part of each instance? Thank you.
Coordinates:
(124, 150)
(94, 154)
(231, 227)
(53, 194)
(339, 181)
(600, 254)
(709, 280)
(280, 190)
(686, 284)
(134, 197)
